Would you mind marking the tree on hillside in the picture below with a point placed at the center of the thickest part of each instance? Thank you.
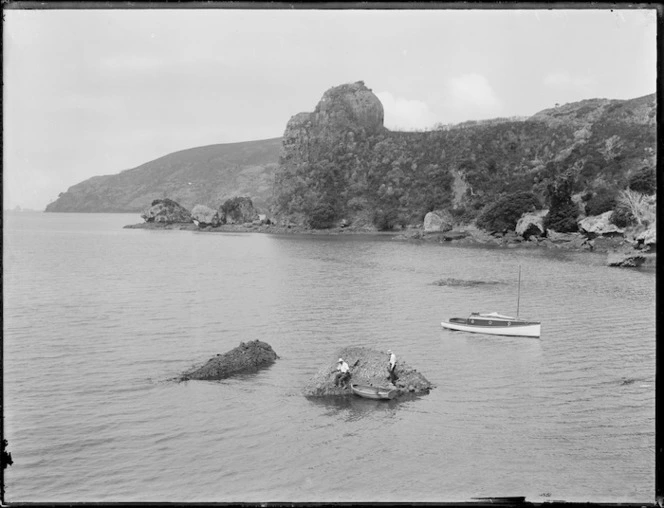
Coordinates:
(322, 216)
(644, 181)
(504, 214)
(600, 201)
(634, 207)
(563, 212)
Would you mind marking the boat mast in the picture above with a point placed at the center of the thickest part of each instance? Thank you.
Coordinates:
(518, 297)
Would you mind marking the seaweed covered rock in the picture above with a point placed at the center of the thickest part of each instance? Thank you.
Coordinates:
(166, 211)
(367, 366)
(247, 357)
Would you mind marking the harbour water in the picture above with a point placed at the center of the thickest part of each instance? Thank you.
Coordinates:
(98, 320)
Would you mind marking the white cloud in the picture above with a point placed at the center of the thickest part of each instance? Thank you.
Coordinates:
(405, 114)
(473, 90)
(564, 80)
(469, 97)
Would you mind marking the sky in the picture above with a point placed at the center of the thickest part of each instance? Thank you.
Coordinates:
(92, 92)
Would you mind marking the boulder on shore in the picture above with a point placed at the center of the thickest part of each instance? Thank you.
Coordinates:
(599, 225)
(531, 224)
(166, 211)
(247, 357)
(238, 210)
(438, 221)
(644, 237)
(204, 216)
(367, 366)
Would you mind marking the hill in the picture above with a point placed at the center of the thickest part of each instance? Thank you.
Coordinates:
(340, 163)
(205, 175)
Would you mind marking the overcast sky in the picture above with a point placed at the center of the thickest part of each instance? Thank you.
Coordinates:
(95, 92)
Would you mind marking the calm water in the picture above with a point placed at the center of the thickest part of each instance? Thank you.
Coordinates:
(99, 319)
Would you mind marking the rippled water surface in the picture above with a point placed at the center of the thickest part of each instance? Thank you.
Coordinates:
(99, 319)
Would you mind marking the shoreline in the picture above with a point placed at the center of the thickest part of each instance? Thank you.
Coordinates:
(468, 236)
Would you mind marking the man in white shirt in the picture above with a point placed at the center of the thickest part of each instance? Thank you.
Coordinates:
(390, 368)
(342, 375)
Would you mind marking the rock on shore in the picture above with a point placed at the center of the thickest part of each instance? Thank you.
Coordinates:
(166, 211)
(247, 357)
(367, 366)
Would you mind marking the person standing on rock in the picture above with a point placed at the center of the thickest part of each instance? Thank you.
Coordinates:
(390, 368)
(343, 375)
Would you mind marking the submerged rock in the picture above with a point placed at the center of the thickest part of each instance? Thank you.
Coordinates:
(455, 235)
(247, 357)
(367, 366)
(626, 258)
(463, 283)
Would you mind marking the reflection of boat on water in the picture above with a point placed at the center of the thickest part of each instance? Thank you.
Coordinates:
(374, 392)
(352, 408)
(492, 323)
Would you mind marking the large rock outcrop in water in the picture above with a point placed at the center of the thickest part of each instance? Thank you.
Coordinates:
(367, 366)
(247, 357)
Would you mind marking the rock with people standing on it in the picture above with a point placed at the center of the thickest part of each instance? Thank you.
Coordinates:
(247, 357)
(367, 366)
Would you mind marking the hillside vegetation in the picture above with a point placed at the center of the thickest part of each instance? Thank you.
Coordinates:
(206, 175)
(340, 165)
(336, 166)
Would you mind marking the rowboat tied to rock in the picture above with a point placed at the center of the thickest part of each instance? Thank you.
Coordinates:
(494, 324)
(374, 392)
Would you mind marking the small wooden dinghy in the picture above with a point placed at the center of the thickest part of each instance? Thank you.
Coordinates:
(374, 392)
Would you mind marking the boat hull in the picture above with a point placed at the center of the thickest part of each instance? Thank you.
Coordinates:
(374, 392)
(528, 329)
